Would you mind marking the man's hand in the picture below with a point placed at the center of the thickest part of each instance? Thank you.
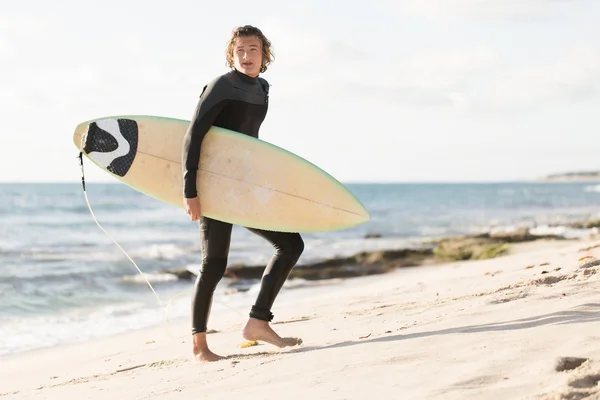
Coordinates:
(192, 207)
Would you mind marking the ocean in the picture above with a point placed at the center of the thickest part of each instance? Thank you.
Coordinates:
(63, 279)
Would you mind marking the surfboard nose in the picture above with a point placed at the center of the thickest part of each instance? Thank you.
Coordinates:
(366, 216)
(360, 213)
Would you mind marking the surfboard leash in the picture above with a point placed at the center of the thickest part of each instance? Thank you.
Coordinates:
(165, 309)
(166, 323)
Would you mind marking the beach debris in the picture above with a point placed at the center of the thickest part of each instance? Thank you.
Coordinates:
(568, 363)
(529, 266)
(364, 337)
(248, 343)
(589, 272)
(130, 368)
(372, 236)
(544, 264)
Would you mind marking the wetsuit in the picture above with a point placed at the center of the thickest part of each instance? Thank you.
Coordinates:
(237, 102)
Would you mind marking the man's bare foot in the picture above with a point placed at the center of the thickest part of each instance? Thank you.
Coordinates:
(256, 329)
(201, 350)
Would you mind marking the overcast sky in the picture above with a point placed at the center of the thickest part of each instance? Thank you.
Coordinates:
(405, 90)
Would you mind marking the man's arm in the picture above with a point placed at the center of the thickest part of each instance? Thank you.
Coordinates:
(212, 100)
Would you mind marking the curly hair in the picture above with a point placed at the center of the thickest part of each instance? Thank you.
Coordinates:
(247, 31)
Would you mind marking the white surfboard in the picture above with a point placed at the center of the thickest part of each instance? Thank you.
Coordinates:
(241, 179)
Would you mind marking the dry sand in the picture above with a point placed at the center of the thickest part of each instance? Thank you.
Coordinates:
(490, 329)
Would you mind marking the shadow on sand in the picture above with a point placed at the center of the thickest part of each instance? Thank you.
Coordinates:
(591, 313)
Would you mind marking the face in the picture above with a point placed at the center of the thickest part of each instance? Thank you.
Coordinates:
(247, 55)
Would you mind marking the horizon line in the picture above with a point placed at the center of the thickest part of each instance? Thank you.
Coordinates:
(348, 182)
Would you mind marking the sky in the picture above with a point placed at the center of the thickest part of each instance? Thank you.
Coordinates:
(378, 91)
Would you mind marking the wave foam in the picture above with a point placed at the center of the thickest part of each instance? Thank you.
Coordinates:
(592, 188)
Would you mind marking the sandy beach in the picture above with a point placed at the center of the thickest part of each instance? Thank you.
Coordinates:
(489, 329)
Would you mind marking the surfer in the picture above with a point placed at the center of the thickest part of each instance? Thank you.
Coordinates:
(237, 100)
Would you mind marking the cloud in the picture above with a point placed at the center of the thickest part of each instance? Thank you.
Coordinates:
(26, 25)
(297, 48)
(467, 81)
(429, 79)
(338, 68)
(501, 9)
(573, 77)
(20, 30)
(113, 71)
(440, 69)
(7, 48)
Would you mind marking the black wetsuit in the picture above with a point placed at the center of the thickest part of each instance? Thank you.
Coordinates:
(237, 102)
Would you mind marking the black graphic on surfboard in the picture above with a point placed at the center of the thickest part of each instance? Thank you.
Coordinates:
(112, 143)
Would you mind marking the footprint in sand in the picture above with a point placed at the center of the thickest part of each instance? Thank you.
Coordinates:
(583, 379)
(586, 382)
(551, 280)
(500, 299)
(568, 363)
(166, 363)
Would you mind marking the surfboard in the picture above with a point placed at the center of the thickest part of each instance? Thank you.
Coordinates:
(242, 180)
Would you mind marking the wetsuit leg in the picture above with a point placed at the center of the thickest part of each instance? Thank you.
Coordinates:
(288, 248)
(215, 238)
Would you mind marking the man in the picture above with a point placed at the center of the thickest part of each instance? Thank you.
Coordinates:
(237, 100)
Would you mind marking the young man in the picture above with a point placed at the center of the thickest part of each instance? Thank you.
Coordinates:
(237, 100)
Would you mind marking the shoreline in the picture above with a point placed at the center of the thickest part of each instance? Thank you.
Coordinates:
(241, 278)
(495, 326)
(478, 246)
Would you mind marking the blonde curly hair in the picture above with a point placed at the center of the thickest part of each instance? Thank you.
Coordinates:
(247, 31)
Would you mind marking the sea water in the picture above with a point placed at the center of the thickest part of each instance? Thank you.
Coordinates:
(63, 278)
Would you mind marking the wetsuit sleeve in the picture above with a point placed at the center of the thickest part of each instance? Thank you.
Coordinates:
(213, 99)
